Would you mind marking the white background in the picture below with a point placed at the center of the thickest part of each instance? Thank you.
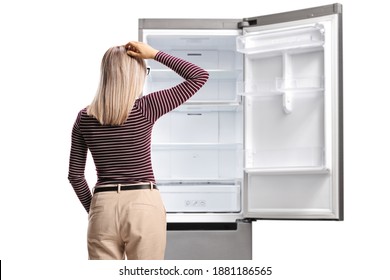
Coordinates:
(50, 54)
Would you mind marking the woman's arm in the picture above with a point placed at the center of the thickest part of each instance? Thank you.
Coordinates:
(164, 101)
(77, 161)
(158, 103)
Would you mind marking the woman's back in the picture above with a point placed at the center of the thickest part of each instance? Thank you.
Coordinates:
(122, 154)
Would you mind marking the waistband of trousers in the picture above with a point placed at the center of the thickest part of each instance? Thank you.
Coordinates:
(124, 187)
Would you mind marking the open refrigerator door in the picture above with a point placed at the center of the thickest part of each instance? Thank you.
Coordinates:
(293, 117)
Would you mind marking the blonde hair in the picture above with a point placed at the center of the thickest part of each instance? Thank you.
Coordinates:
(122, 79)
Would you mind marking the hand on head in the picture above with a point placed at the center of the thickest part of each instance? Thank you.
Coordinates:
(141, 50)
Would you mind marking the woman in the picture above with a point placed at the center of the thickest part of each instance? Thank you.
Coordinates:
(126, 213)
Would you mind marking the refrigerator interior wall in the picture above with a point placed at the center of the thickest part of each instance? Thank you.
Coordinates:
(287, 122)
(197, 148)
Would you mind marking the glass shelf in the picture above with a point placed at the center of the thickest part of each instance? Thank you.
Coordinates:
(196, 146)
(197, 182)
(220, 74)
(193, 107)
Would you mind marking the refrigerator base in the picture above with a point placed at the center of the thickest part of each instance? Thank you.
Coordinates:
(209, 241)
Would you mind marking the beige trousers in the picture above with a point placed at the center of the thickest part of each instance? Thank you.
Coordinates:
(127, 224)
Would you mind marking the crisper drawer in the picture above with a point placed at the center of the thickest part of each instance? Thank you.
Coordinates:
(201, 198)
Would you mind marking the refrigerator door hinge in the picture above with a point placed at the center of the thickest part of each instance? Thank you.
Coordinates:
(246, 22)
(245, 220)
(337, 8)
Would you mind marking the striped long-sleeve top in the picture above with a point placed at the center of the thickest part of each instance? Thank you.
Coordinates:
(122, 154)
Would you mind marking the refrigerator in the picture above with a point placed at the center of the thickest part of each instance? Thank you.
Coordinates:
(263, 139)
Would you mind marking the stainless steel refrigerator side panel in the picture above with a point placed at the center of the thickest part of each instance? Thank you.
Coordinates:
(341, 117)
(216, 244)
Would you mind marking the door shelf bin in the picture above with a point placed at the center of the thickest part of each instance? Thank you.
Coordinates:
(262, 42)
(295, 195)
(189, 198)
(281, 85)
(285, 158)
(300, 84)
(288, 170)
